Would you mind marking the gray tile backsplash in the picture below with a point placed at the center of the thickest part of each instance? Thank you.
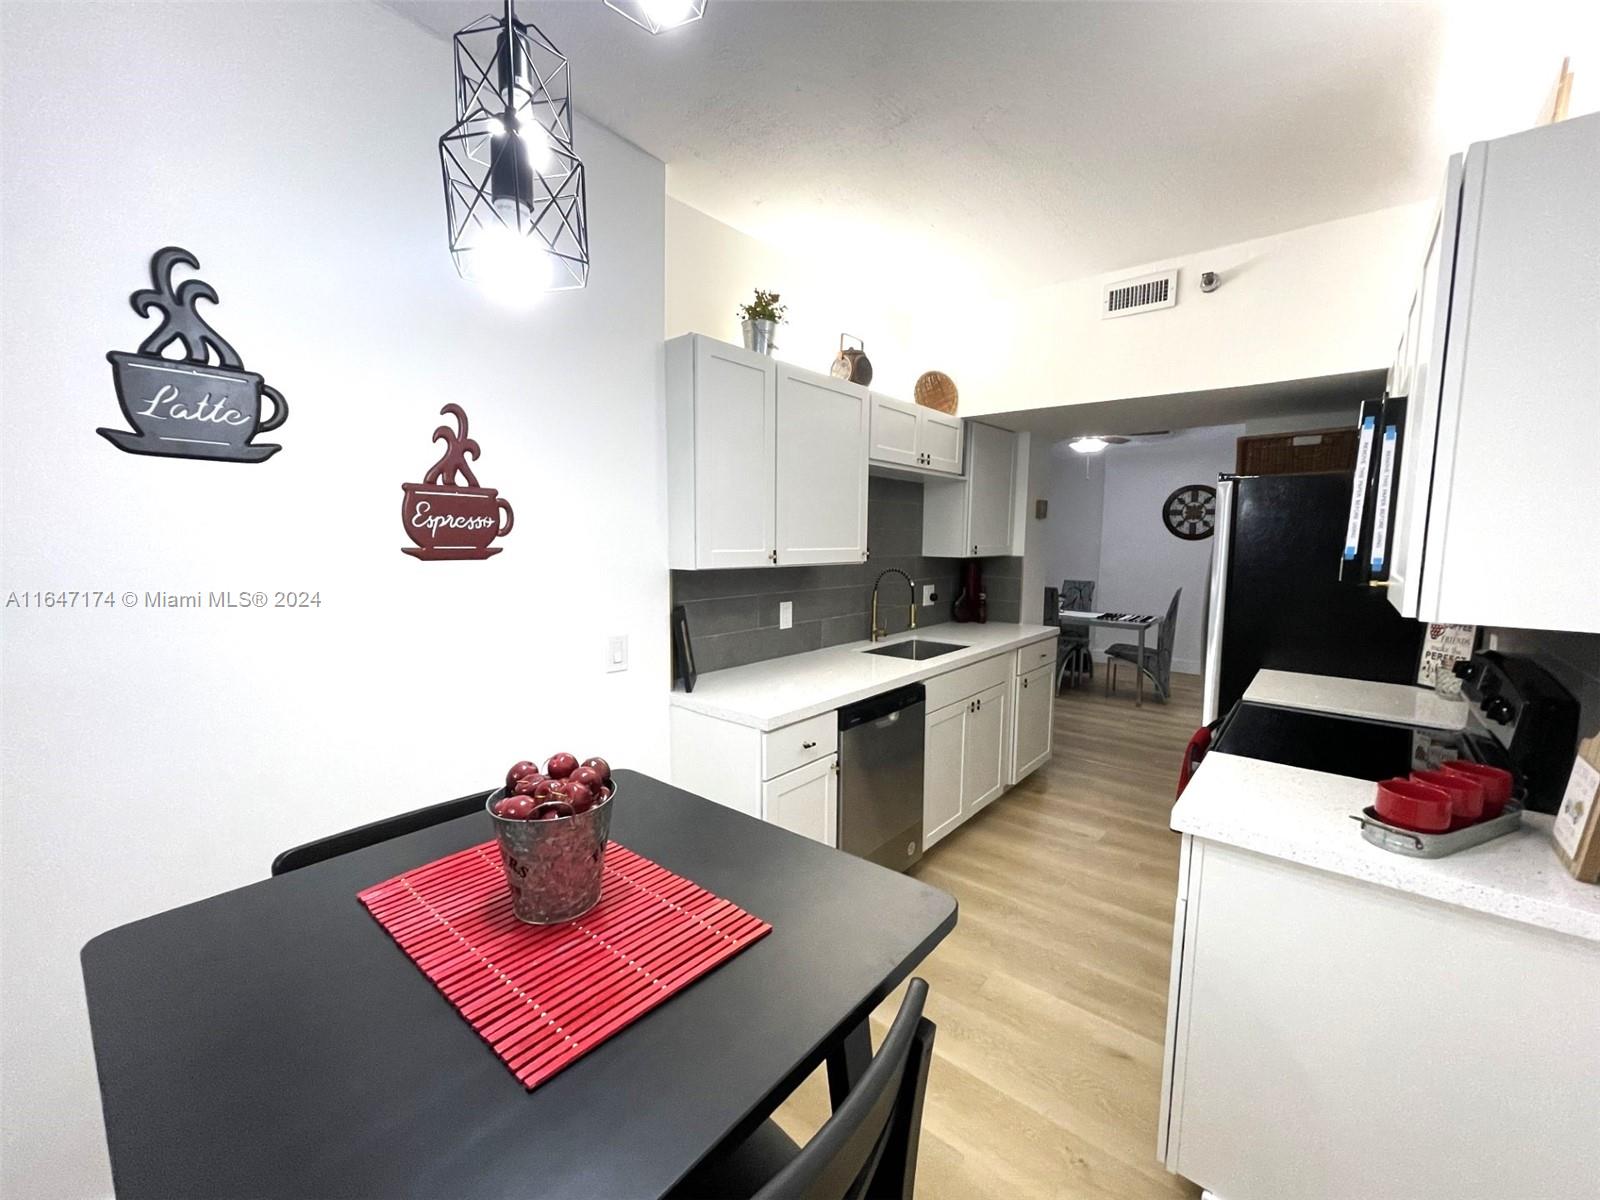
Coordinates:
(733, 615)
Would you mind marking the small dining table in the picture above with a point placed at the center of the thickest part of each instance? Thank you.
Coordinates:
(1140, 623)
(274, 1041)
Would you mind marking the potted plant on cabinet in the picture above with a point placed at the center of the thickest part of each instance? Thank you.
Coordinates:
(759, 319)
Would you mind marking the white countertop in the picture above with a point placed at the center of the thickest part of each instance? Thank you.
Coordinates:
(1397, 702)
(1304, 817)
(780, 691)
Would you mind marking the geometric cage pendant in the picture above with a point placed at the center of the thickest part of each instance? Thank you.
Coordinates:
(513, 187)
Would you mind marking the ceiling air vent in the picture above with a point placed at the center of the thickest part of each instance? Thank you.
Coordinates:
(1131, 296)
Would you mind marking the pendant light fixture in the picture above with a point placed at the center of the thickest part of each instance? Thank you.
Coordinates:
(658, 16)
(513, 187)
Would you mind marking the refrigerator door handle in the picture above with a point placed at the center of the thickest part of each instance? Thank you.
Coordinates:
(1220, 551)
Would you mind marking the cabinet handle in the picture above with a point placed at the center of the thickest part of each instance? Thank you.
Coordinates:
(974, 550)
(1024, 683)
(979, 703)
(808, 745)
(774, 556)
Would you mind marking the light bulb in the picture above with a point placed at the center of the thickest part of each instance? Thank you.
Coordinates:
(510, 264)
(1088, 445)
(666, 13)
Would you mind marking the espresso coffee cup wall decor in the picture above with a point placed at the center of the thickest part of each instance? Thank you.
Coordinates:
(448, 515)
(203, 405)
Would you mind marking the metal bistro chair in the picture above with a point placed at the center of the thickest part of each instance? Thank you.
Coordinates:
(866, 1151)
(363, 836)
(1157, 664)
(1072, 650)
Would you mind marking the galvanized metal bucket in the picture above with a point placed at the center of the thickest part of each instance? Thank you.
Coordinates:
(759, 335)
(553, 867)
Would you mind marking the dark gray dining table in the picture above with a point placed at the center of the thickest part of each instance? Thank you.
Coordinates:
(274, 1041)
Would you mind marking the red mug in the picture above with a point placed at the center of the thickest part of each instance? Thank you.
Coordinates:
(1466, 793)
(1495, 781)
(1413, 805)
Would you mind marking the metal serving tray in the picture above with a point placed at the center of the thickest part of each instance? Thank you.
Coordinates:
(1435, 845)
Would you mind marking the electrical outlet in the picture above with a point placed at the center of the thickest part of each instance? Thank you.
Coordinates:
(786, 614)
(617, 653)
(929, 596)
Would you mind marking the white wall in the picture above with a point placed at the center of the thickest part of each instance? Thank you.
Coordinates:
(1333, 418)
(1110, 530)
(1324, 300)
(712, 268)
(152, 758)
(1076, 489)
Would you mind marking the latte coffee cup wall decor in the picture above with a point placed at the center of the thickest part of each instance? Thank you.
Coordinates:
(448, 516)
(203, 405)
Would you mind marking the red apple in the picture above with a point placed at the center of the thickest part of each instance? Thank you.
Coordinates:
(544, 789)
(515, 808)
(579, 795)
(527, 785)
(605, 794)
(552, 810)
(518, 771)
(561, 765)
(589, 777)
(601, 765)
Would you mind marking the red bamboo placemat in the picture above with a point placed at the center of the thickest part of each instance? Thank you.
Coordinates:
(544, 996)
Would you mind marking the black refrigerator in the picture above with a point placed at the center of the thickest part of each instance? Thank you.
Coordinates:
(1276, 599)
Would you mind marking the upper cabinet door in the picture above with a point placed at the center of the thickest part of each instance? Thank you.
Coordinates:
(894, 432)
(1511, 536)
(822, 469)
(735, 419)
(991, 460)
(939, 441)
(1430, 312)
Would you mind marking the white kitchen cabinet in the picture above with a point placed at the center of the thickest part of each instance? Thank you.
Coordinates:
(966, 759)
(1498, 473)
(721, 455)
(972, 517)
(1306, 1007)
(985, 766)
(925, 441)
(942, 750)
(805, 800)
(766, 463)
(1034, 704)
(822, 427)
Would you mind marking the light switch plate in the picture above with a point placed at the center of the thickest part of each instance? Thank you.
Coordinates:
(617, 653)
(785, 614)
(928, 596)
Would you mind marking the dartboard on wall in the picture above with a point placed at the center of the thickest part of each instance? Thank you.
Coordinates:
(1191, 512)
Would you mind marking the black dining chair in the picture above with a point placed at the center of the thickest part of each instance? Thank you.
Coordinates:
(866, 1151)
(1157, 664)
(362, 836)
(1073, 658)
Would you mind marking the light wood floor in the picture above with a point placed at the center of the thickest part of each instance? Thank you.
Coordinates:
(1050, 995)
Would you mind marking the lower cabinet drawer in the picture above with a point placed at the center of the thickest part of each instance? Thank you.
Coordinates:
(1035, 655)
(968, 681)
(795, 745)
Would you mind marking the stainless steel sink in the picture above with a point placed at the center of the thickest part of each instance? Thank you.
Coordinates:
(915, 649)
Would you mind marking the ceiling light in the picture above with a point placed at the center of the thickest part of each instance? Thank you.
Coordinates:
(658, 16)
(1089, 445)
(516, 205)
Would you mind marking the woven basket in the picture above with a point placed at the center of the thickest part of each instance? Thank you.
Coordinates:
(938, 391)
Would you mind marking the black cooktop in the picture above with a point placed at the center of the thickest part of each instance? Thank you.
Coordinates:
(1338, 745)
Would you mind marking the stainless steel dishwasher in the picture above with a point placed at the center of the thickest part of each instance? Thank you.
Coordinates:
(880, 777)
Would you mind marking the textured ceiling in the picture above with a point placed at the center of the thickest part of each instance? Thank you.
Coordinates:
(1008, 144)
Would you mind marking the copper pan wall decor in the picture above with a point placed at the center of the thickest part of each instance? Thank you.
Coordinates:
(202, 405)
